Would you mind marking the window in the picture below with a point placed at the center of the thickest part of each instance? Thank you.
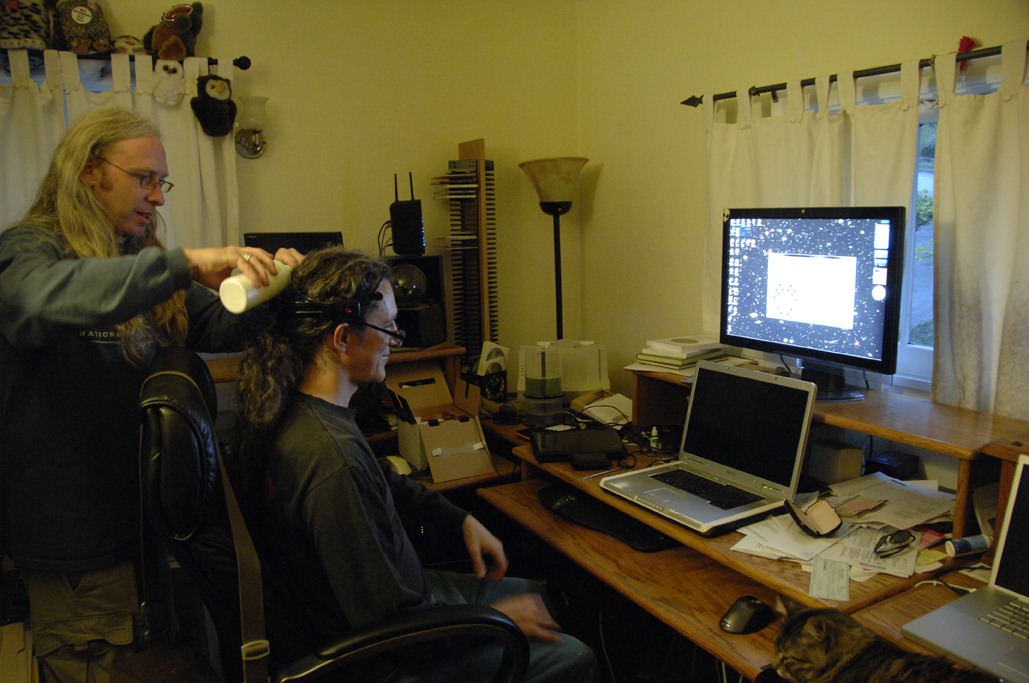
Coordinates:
(915, 351)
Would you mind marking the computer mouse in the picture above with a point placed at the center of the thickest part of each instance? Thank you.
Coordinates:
(747, 615)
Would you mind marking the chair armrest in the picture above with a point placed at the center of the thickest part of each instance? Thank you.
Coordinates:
(410, 628)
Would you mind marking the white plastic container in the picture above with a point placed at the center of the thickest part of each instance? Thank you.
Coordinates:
(238, 294)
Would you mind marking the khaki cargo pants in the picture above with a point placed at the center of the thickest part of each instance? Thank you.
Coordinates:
(81, 621)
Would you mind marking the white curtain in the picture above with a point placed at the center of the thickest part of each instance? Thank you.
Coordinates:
(202, 209)
(981, 247)
(862, 155)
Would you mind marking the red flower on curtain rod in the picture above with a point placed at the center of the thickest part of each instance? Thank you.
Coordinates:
(966, 44)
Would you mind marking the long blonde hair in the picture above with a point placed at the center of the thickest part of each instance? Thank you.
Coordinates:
(68, 208)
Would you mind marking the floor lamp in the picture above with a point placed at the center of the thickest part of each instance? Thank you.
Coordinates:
(554, 180)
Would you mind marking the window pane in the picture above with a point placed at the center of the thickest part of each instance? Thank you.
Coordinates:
(920, 330)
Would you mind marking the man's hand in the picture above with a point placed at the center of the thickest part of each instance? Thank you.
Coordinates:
(485, 550)
(531, 615)
(209, 266)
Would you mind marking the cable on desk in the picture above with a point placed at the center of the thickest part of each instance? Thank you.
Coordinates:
(938, 582)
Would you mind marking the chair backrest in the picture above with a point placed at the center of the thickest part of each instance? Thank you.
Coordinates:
(181, 488)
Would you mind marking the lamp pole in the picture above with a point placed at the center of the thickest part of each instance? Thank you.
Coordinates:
(557, 276)
(555, 209)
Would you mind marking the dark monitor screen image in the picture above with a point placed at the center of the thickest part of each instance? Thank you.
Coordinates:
(820, 284)
(303, 241)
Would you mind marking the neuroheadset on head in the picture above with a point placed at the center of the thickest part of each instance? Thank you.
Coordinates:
(338, 311)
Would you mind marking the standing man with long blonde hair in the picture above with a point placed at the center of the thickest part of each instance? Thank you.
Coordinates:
(87, 294)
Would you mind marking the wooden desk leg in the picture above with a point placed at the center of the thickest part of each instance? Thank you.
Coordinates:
(962, 497)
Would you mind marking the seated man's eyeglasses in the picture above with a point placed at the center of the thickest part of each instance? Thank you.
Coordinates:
(146, 180)
(398, 334)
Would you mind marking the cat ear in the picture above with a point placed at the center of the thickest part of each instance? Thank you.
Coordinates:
(818, 628)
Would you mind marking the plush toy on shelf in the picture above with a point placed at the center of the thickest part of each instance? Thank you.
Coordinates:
(82, 28)
(213, 105)
(175, 36)
(129, 45)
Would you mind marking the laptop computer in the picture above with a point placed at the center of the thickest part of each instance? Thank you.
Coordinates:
(745, 431)
(964, 629)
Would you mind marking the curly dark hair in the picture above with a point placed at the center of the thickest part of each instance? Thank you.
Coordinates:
(273, 364)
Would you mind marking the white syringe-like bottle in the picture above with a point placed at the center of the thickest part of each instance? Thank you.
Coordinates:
(238, 294)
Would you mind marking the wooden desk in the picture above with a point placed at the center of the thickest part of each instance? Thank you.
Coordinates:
(690, 587)
(785, 578)
(674, 585)
(660, 398)
(887, 616)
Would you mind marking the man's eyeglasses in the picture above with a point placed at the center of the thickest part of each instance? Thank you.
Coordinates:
(146, 180)
(397, 334)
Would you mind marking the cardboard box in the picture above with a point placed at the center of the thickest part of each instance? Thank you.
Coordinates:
(435, 430)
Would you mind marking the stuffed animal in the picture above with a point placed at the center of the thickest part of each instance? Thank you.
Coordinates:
(82, 28)
(175, 37)
(129, 45)
(213, 105)
(169, 82)
(25, 24)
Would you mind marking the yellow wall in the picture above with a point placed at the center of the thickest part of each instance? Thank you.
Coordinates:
(363, 89)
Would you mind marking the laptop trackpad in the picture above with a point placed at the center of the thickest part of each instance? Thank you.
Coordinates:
(663, 495)
(1016, 660)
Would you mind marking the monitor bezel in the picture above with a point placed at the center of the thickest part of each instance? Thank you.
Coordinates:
(886, 363)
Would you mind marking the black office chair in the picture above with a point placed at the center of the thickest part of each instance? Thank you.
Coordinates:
(186, 506)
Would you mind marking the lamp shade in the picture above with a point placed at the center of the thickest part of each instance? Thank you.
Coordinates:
(554, 180)
(252, 115)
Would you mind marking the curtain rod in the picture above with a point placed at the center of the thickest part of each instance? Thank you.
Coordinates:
(242, 63)
(696, 100)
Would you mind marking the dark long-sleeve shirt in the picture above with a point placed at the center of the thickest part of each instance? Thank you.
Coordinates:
(335, 534)
(69, 421)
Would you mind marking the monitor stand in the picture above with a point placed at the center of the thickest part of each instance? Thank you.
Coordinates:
(830, 380)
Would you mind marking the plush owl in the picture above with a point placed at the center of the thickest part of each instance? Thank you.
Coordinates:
(169, 82)
(213, 105)
(175, 36)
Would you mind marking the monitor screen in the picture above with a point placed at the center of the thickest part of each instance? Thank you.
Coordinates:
(301, 241)
(820, 284)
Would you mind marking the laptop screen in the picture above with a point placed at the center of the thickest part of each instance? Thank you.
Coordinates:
(752, 426)
(1013, 559)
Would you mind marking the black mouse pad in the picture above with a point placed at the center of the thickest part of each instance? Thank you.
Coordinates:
(586, 510)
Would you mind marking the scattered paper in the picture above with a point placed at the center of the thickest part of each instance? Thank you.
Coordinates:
(830, 580)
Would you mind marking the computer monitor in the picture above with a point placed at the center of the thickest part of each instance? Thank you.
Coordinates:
(819, 284)
(303, 241)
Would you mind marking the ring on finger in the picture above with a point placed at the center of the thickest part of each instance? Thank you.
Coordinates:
(246, 258)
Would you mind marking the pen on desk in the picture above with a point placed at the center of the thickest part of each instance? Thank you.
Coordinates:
(600, 474)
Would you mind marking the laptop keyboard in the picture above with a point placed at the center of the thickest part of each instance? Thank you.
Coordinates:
(723, 496)
(1012, 617)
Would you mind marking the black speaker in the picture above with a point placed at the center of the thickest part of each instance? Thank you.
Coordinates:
(419, 288)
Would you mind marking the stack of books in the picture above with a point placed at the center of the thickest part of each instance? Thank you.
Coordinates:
(678, 353)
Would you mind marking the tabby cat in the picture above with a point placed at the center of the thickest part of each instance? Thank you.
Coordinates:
(828, 646)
